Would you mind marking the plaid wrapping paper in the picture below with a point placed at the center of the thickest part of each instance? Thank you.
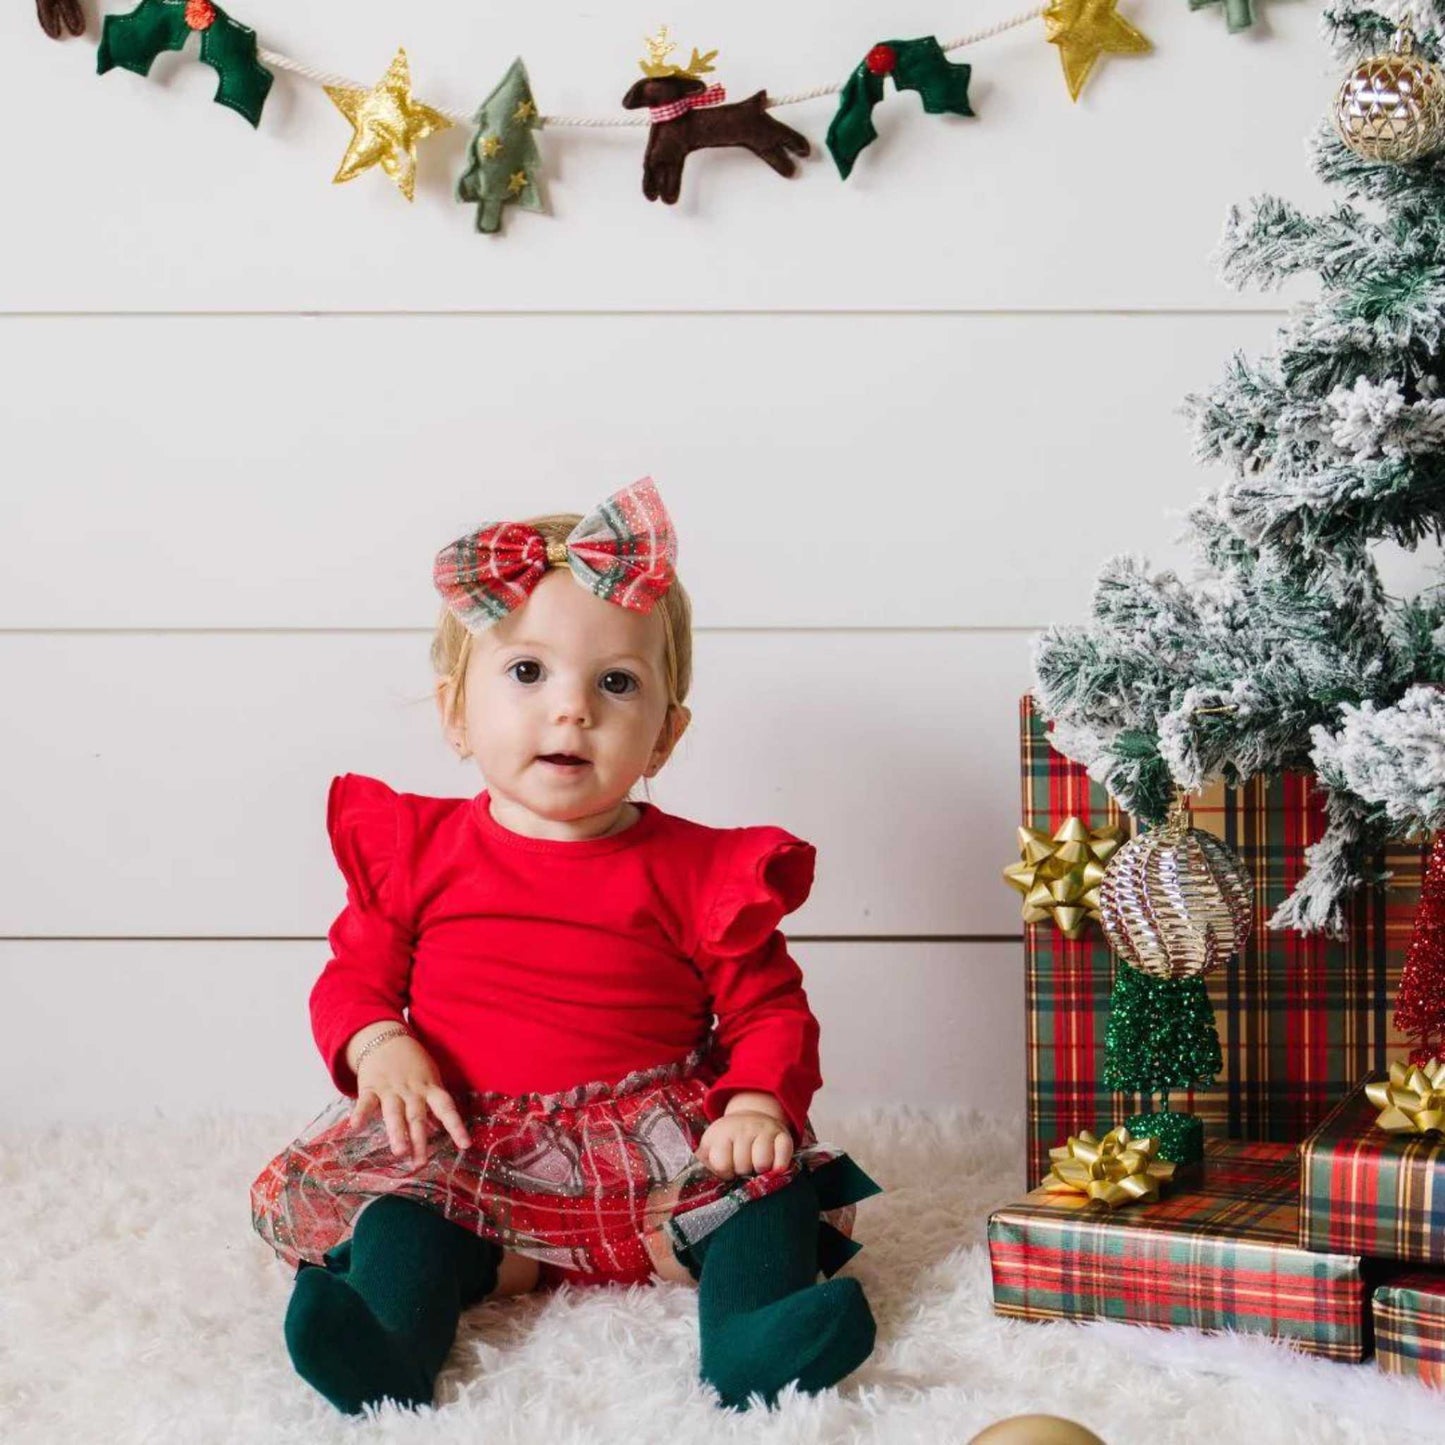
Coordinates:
(1220, 1253)
(1300, 1018)
(1409, 1315)
(1369, 1192)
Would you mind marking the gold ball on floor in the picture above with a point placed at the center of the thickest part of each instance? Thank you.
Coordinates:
(1035, 1430)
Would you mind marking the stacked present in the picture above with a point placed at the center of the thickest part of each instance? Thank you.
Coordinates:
(1301, 1198)
(1372, 1181)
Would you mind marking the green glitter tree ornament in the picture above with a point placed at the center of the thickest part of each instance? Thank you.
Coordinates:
(505, 166)
(1161, 1036)
(914, 65)
(134, 40)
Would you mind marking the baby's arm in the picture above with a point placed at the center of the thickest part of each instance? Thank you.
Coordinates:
(752, 1136)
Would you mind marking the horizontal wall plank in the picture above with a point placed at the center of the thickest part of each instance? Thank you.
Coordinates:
(1035, 202)
(175, 785)
(131, 1030)
(826, 471)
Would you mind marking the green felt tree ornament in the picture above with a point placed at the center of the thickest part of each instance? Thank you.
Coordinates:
(133, 41)
(1238, 14)
(914, 65)
(505, 165)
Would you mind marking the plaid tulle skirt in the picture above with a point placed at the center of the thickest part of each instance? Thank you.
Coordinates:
(599, 1182)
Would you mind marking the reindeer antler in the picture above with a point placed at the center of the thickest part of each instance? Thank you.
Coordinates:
(660, 46)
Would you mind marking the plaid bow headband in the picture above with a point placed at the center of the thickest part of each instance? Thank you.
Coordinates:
(623, 551)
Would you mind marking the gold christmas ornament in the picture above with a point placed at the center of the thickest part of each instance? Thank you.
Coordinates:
(1392, 107)
(1059, 877)
(1036, 1430)
(1176, 901)
(387, 124)
(1083, 30)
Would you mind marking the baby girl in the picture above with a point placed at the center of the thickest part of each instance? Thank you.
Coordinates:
(569, 1038)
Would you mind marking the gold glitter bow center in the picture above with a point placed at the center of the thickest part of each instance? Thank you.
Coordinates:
(1059, 876)
(1412, 1099)
(1117, 1169)
(556, 554)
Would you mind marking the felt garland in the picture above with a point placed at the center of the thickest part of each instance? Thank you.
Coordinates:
(1082, 29)
(505, 166)
(60, 16)
(914, 65)
(386, 124)
(133, 41)
(1238, 14)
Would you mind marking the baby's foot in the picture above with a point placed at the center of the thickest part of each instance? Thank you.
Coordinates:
(815, 1336)
(340, 1347)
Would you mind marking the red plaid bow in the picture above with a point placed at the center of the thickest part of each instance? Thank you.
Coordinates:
(676, 109)
(624, 552)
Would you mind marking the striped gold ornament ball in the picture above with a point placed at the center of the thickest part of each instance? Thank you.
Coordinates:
(1392, 107)
(1176, 901)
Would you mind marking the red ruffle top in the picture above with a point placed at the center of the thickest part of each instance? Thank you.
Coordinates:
(530, 965)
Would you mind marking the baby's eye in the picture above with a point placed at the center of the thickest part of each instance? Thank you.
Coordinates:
(619, 684)
(525, 671)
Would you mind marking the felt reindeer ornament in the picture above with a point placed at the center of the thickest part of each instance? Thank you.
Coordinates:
(689, 115)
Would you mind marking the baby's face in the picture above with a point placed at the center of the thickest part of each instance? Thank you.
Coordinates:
(566, 700)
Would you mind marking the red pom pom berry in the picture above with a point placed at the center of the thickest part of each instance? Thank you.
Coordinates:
(200, 14)
(881, 60)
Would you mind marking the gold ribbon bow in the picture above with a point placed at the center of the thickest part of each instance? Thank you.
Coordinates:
(1059, 876)
(1117, 1169)
(1412, 1099)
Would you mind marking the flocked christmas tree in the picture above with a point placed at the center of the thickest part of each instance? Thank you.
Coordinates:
(1284, 651)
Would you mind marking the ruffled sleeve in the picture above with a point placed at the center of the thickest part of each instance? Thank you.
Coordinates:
(763, 1019)
(368, 976)
(766, 874)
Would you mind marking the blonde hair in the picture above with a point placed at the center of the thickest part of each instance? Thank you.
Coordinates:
(451, 644)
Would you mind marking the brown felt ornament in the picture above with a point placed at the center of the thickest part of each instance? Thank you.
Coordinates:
(689, 115)
(1036, 1430)
(58, 16)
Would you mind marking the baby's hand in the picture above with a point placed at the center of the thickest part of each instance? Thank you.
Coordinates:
(401, 1079)
(747, 1142)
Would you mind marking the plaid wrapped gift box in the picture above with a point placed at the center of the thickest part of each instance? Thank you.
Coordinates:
(1218, 1253)
(1409, 1315)
(1377, 1194)
(1300, 1018)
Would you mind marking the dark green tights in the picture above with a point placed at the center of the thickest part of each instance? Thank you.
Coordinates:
(380, 1320)
(763, 1320)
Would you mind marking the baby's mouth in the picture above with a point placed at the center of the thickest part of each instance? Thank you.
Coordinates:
(563, 760)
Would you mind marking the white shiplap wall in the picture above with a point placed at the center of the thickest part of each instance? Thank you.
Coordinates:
(241, 408)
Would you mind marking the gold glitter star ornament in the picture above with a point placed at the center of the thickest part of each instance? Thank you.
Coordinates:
(387, 123)
(1083, 30)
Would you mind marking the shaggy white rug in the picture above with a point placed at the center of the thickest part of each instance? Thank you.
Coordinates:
(136, 1305)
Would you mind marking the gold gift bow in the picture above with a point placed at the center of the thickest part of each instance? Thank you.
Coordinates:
(1117, 1169)
(1412, 1099)
(1059, 876)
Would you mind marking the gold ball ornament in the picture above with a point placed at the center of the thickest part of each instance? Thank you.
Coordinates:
(1176, 901)
(1036, 1430)
(1059, 876)
(1392, 107)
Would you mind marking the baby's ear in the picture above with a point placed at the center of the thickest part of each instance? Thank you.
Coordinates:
(443, 701)
(674, 724)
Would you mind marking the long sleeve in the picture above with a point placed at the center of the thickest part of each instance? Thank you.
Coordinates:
(763, 1018)
(367, 978)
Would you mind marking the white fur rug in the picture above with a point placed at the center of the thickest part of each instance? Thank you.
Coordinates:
(136, 1305)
